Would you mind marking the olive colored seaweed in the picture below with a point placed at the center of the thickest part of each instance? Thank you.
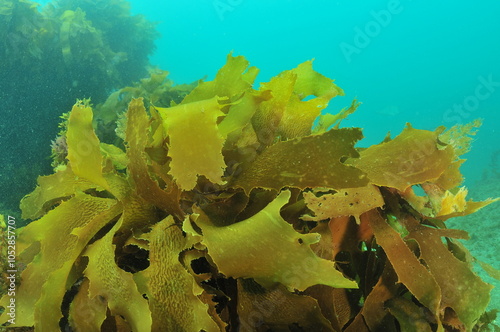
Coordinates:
(229, 211)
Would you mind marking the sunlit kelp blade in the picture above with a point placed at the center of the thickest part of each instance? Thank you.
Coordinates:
(312, 161)
(299, 115)
(241, 112)
(310, 82)
(137, 139)
(84, 152)
(412, 157)
(451, 177)
(460, 136)
(242, 250)
(194, 140)
(286, 115)
(345, 202)
(51, 190)
(114, 285)
(62, 234)
(328, 120)
(231, 80)
(115, 155)
(166, 278)
(444, 204)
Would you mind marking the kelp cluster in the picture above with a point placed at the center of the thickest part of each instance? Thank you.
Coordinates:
(156, 89)
(229, 212)
(109, 117)
(51, 56)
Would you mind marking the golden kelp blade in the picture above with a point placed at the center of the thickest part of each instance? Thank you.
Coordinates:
(52, 189)
(328, 120)
(84, 153)
(231, 80)
(242, 250)
(286, 115)
(462, 290)
(419, 281)
(114, 285)
(345, 202)
(87, 314)
(310, 82)
(241, 113)
(412, 157)
(279, 308)
(169, 287)
(298, 116)
(137, 139)
(195, 142)
(307, 162)
(459, 136)
(444, 204)
(62, 235)
(110, 221)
